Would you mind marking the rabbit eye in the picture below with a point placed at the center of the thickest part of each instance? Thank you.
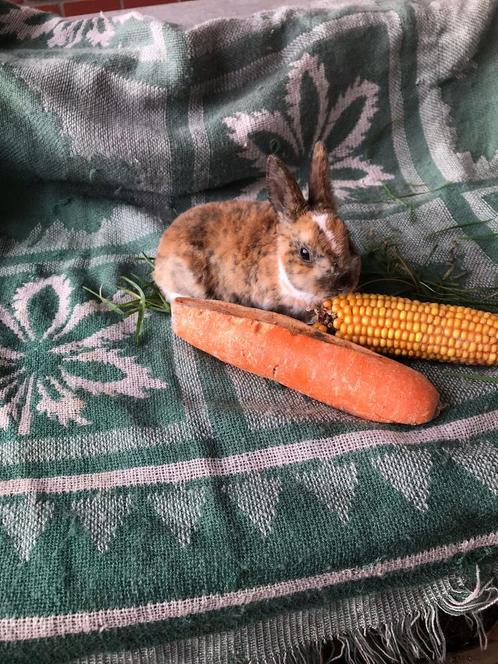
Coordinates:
(305, 254)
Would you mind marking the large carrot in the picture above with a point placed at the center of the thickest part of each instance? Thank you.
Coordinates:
(334, 371)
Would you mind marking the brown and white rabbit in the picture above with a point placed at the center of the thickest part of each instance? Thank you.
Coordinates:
(286, 255)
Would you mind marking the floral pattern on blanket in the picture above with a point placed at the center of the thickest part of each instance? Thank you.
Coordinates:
(49, 363)
(289, 129)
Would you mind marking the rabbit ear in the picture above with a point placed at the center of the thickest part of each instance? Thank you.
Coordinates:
(283, 191)
(320, 190)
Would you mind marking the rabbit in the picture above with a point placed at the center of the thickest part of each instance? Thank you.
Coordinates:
(286, 255)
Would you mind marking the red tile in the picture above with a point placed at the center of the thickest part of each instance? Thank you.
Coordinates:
(52, 9)
(127, 4)
(90, 7)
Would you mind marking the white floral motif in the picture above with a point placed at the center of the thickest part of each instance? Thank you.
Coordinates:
(38, 375)
(288, 127)
(65, 33)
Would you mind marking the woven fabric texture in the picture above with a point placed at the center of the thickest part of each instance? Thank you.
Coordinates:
(159, 505)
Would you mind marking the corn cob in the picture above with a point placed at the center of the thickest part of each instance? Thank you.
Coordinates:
(399, 326)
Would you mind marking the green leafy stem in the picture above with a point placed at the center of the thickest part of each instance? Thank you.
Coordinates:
(144, 295)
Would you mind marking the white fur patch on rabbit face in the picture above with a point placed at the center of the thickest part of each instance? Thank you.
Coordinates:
(288, 290)
(321, 219)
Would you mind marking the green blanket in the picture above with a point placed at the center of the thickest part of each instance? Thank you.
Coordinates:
(156, 505)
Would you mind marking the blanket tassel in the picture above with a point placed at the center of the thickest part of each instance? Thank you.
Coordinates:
(416, 638)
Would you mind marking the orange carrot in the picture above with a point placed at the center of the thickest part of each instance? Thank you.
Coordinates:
(334, 371)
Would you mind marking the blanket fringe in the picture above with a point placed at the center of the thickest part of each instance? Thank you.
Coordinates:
(418, 637)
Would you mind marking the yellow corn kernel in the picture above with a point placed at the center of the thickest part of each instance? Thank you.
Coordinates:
(400, 326)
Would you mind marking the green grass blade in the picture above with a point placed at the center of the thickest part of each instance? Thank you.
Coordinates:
(140, 326)
(481, 378)
(110, 305)
(459, 226)
(147, 259)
